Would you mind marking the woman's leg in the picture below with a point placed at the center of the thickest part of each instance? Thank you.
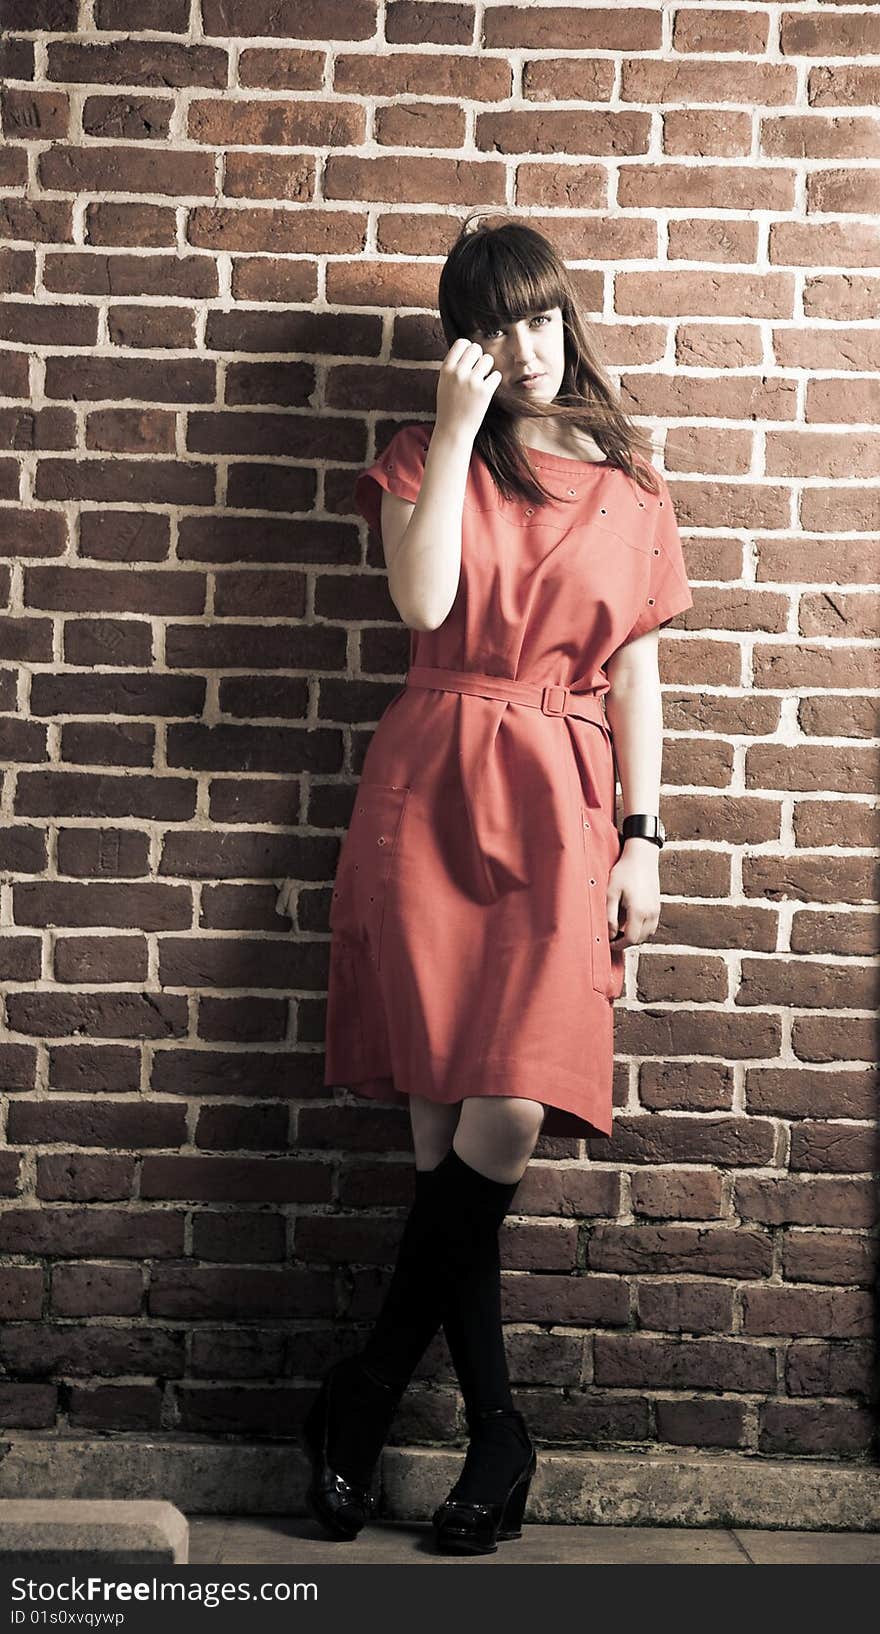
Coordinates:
(373, 1381)
(497, 1134)
(448, 1234)
(493, 1142)
(410, 1313)
(433, 1126)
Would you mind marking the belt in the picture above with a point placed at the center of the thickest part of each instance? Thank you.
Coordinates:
(551, 700)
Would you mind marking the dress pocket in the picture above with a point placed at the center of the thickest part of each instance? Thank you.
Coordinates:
(363, 872)
(607, 964)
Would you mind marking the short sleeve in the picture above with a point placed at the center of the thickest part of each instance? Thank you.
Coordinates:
(399, 469)
(668, 589)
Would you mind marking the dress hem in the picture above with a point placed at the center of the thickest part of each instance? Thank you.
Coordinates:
(562, 1118)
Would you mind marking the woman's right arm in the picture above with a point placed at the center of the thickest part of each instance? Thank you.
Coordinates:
(422, 542)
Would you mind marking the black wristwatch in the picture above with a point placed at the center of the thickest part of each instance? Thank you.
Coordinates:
(643, 827)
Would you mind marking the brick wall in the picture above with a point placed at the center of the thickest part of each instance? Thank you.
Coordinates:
(221, 243)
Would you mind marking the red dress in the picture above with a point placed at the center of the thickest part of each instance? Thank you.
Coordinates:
(469, 950)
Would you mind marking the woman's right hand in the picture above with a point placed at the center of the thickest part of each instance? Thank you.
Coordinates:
(465, 386)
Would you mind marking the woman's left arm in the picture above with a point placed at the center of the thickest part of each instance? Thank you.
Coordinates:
(634, 710)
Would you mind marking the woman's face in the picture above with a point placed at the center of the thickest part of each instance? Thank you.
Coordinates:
(532, 346)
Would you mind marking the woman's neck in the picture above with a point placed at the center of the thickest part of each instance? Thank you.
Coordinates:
(577, 445)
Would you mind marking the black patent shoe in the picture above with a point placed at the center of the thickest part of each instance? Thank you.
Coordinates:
(463, 1527)
(338, 1503)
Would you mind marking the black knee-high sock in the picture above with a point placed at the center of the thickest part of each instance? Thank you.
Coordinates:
(369, 1385)
(446, 1233)
(450, 1239)
(472, 1313)
(410, 1313)
(472, 1325)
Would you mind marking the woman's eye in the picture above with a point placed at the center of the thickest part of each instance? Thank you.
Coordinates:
(540, 317)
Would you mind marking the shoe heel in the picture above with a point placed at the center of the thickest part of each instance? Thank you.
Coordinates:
(515, 1508)
(342, 1507)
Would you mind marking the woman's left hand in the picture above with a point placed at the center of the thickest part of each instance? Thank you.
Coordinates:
(632, 901)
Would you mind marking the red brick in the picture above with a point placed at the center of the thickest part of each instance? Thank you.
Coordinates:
(128, 117)
(169, 15)
(131, 275)
(832, 932)
(446, 74)
(31, 115)
(732, 819)
(394, 179)
(716, 1250)
(796, 1092)
(831, 244)
(261, 123)
(715, 925)
(676, 1085)
(838, 1148)
(136, 62)
(711, 1033)
(701, 1423)
(634, 29)
(413, 22)
(673, 977)
(97, 169)
(826, 1037)
(265, 175)
(806, 878)
(281, 67)
(800, 665)
(712, 133)
(151, 225)
(837, 35)
(689, 1194)
(837, 1368)
(838, 1313)
(685, 1307)
(349, 19)
(827, 987)
(850, 716)
(804, 1428)
(420, 125)
(730, 1141)
(842, 1258)
(560, 131)
(280, 232)
(633, 1361)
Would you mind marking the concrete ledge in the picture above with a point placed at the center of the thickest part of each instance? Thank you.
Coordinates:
(659, 1489)
(61, 1531)
(597, 1488)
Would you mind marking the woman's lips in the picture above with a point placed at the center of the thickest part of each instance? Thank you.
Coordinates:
(534, 381)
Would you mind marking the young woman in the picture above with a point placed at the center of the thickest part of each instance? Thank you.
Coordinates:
(484, 896)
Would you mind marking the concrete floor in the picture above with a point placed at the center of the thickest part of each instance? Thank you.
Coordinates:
(292, 1540)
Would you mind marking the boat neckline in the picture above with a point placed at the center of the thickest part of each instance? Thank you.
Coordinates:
(541, 456)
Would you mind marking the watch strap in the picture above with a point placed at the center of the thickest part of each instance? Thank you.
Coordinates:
(643, 826)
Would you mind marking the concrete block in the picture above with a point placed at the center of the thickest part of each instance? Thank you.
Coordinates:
(41, 1532)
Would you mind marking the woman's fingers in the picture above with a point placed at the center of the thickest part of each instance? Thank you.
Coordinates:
(626, 922)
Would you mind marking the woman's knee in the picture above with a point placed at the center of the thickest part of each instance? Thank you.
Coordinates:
(433, 1126)
(498, 1134)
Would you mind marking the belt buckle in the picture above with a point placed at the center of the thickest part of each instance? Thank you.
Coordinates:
(547, 705)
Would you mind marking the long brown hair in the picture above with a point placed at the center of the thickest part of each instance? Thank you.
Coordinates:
(498, 274)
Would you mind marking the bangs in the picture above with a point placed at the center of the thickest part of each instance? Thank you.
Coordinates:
(498, 279)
